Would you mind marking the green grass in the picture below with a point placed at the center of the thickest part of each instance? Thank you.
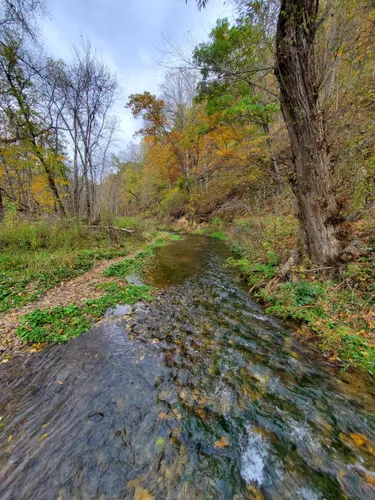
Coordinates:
(60, 324)
(37, 256)
(27, 282)
(339, 311)
(219, 235)
(338, 317)
(129, 266)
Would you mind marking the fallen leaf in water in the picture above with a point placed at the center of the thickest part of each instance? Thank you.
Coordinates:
(45, 425)
(163, 416)
(59, 382)
(255, 492)
(359, 439)
(43, 437)
(5, 360)
(10, 438)
(369, 479)
(142, 494)
(142, 357)
(223, 442)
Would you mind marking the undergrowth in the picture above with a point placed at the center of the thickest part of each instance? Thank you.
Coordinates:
(37, 256)
(59, 324)
(339, 313)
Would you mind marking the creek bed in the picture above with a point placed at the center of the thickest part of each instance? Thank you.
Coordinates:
(197, 395)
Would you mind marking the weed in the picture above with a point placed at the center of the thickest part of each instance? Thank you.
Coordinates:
(219, 235)
(59, 324)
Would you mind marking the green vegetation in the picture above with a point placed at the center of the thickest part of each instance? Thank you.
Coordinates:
(334, 309)
(219, 235)
(37, 256)
(59, 324)
(129, 266)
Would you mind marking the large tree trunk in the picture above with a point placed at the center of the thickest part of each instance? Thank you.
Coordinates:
(312, 181)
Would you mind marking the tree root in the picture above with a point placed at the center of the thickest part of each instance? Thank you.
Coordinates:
(294, 259)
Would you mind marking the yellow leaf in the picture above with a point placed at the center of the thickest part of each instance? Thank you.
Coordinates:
(142, 494)
(223, 442)
(10, 438)
(59, 382)
(358, 439)
(43, 437)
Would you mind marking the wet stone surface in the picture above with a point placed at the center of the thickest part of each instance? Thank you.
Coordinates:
(195, 395)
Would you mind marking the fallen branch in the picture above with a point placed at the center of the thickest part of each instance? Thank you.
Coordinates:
(294, 259)
(130, 231)
(298, 271)
(122, 229)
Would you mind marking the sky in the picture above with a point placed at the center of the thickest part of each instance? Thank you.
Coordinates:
(130, 35)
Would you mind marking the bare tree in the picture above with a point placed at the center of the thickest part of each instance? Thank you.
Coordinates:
(178, 91)
(85, 92)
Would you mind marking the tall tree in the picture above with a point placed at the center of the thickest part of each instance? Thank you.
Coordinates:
(296, 62)
(19, 103)
(84, 93)
(312, 183)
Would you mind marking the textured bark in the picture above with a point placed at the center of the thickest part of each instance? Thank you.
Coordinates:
(312, 180)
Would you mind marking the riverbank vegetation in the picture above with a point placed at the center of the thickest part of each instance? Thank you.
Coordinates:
(263, 134)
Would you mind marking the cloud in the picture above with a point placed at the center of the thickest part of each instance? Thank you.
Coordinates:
(127, 33)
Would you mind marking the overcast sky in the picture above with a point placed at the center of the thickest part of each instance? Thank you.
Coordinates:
(128, 34)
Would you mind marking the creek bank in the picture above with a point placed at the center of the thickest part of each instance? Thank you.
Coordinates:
(336, 313)
(196, 394)
(69, 309)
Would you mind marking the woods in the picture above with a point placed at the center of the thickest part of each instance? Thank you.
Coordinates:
(57, 121)
(262, 133)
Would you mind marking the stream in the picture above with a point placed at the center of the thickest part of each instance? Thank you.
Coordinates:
(196, 395)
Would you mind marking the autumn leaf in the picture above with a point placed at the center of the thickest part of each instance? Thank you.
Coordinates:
(142, 494)
(222, 442)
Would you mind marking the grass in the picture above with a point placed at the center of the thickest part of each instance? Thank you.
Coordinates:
(129, 266)
(339, 313)
(59, 324)
(37, 256)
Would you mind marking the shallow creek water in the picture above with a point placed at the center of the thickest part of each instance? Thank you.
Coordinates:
(197, 395)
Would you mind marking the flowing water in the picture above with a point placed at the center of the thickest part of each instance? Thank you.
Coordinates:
(197, 395)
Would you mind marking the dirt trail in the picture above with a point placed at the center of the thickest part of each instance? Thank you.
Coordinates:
(76, 290)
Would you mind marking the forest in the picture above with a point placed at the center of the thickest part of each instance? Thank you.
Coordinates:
(189, 314)
(262, 135)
